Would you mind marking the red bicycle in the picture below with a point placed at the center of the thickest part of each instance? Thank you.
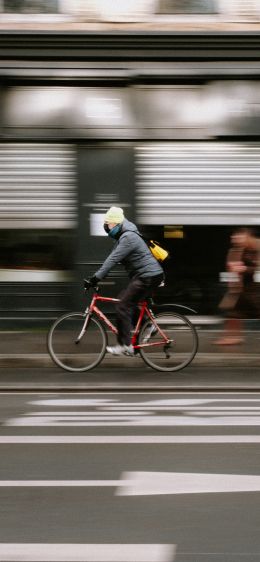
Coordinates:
(165, 339)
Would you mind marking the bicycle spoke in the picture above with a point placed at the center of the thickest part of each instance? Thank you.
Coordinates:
(73, 347)
(170, 344)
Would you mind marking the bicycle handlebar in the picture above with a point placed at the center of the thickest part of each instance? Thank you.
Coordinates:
(88, 286)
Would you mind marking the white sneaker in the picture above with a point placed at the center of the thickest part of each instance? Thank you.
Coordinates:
(129, 350)
(120, 349)
(151, 331)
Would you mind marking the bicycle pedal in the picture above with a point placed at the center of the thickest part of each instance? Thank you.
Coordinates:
(129, 353)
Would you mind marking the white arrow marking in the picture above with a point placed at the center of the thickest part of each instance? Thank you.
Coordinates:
(155, 483)
(87, 552)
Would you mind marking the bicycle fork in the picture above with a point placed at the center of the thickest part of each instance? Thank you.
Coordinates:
(85, 325)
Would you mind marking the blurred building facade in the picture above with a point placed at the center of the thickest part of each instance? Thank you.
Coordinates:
(164, 123)
(134, 10)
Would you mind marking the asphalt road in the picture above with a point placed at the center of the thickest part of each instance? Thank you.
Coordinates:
(123, 376)
(130, 477)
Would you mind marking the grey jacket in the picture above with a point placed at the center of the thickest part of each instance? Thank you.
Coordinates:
(134, 254)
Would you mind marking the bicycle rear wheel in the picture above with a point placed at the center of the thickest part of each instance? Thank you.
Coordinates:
(182, 346)
(74, 348)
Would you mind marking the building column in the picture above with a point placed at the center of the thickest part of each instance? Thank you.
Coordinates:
(79, 9)
(108, 10)
(234, 10)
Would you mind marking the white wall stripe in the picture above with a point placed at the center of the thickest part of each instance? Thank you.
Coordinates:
(129, 439)
(87, 552)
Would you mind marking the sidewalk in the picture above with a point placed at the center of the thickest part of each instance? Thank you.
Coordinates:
(25, 366)
(171, 24)
(29, 349)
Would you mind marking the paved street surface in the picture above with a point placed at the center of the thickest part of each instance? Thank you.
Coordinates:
(122, 375)
(130, 477)
(26, 364)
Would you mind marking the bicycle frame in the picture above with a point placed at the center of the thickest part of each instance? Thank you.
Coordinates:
(144, 310)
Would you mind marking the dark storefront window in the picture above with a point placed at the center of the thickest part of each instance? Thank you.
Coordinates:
(30, 6)
(36, 250)
(187, 6)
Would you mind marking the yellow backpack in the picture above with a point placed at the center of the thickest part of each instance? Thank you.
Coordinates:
(158, 252)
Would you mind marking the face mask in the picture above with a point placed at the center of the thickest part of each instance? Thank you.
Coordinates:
(114, 231)
(106, 228)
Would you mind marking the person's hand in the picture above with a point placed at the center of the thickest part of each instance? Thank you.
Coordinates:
(91, 282)
(241, 268)
(237, 267)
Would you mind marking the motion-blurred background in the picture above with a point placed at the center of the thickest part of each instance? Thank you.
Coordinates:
(152, 105)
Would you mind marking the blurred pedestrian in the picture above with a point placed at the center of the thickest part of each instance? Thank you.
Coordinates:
(242, 298)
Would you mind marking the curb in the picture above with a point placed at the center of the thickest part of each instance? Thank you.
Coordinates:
(43, 360)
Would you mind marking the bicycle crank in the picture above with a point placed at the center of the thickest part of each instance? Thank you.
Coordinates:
(166, 348)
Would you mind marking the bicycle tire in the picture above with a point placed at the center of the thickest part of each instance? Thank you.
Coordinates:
(70, 353)
(181, 351)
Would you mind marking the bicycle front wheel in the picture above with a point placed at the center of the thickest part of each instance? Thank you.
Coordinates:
(75, 347)
(182, 342)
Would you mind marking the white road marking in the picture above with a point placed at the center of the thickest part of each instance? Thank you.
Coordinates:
(154, 483)
(116, 401)
(99, 413)
(158, 483)
(111, 412)
(185, 420)
(130, 439)
(87, 552)
(130, 409)
(116, 412)
(59, 484)
(110, 401)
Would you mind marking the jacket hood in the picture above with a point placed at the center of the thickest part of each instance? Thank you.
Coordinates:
(127, 225)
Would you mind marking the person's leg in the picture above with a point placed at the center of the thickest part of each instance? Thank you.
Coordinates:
(137, 290)
(125, 308)
(128, 301)
(232, 332)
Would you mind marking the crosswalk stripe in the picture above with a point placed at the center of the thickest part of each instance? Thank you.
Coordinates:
(108, 402)
(58, 483)
(87, 552)
(138, 421)
(121, 439)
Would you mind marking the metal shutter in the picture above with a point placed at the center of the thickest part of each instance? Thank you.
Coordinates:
(37, 185)
(187, 7)
(198, 183)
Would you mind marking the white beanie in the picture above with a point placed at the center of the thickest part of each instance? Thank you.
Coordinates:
(114, 214)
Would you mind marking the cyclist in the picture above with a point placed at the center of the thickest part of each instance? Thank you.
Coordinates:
(144, 271)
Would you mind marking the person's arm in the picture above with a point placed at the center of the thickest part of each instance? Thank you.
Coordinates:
(121, 251)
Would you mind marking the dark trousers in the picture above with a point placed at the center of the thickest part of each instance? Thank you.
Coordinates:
(137, 290)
